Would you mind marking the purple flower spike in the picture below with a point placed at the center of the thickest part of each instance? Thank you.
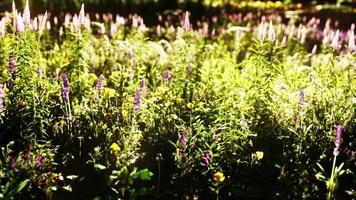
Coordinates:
(138, 95)
(206, 159)
(167, 76)
(65, 89)
(183, 138)
(99, 85)
(2, 95)
(39, 161)
(12, 162)
(302, 100)
(26, 14)
(12, 65)
(271, 33)
(338, 139)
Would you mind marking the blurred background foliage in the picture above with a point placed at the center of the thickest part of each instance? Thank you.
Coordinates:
(127, 6)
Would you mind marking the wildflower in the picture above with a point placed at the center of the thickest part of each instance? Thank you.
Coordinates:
(271, 33)
(2, 95)
(335, 41)
(259, 155)
(351, 44)
(81, 16)
(138, 96)
(114, 149)
(20, 26)
(186, 25)
(26, 14)
(99, 84)
(219, 177)
(338, 139)
(167, 76)
(12, 162)
(183, 139)
(14, 11)
(12, 66)
(313, 52)
(301, 97)
(39, 161)
(2, 28)
(190, 105)
(65, 89)
(206, 159)
(261, 32)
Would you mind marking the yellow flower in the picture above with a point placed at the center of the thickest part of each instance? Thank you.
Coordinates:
(190, 105)
(114, 149)
(219, 177)
(259, 155)
(179, 100)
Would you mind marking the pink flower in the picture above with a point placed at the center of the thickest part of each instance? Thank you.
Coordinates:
(27, 14)
(186, 25)
(335, 41)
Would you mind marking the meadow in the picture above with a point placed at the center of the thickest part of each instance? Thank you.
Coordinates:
(233, 106)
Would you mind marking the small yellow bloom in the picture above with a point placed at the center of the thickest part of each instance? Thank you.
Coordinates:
(259, 155)
(219, 177)
(114, 149)
(179, 100)
(190, 105)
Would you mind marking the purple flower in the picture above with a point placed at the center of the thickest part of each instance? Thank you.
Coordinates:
(302, 100)
(183, 138)
(206, 159)
(351, 44)
(137, 100)
(12, 65)
(167, 76)
(65, 89)
(12, 162)
(338, 139)
(99, 84)
(138, 96)
(2, 95)
(271, 33)
(261, 32)
(315, 47)
(39, 161)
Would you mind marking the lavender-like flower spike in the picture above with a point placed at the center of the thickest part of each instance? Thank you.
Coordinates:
(183, 138)
(167, 76)
(20, 26)
(335, 41)
(338, 139)
(2, 28)
(186, 25)
(137, 100)
(2, 95)
(14, 11)
(65, 89)
(27, 14)
(351, 44)
(313, 52)
(271, 33)
(302, 100)
(99, 85)
(261, 32)
(12, 65)
(206, 159)
(138, 96)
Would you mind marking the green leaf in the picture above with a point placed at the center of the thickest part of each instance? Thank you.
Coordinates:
(144, 174)
(18, 188)
(99, 166)
(68, 188)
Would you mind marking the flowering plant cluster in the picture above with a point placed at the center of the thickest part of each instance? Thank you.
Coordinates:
(232, 106)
